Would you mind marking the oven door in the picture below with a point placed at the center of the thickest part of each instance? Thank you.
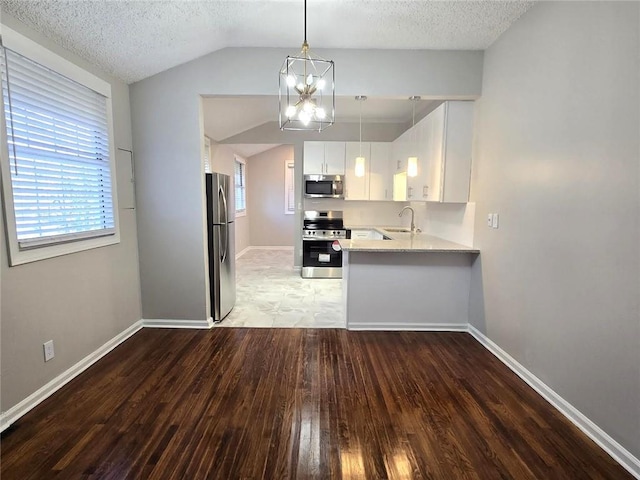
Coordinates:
(321, 258)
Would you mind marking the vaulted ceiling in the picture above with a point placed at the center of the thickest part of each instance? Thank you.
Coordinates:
(135, 39)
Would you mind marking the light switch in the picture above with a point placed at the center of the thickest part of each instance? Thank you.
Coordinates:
(489, 220)
(494, 220)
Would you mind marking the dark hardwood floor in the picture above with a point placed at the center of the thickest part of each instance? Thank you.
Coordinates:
(283, 403)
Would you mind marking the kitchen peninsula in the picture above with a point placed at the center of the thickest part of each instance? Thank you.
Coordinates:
(408, 281)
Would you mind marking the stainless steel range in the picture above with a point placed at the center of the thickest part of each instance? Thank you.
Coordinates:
(321, 252)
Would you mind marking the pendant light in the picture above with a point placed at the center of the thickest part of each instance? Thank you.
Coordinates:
(360, 160)
(307, 99)
(412, 162)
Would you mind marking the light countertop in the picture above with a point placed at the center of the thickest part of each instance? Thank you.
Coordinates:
(403, 242)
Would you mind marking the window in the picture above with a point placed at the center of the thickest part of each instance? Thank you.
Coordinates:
(289, 188)
(241, 186)
(207, 155)
(57, 156)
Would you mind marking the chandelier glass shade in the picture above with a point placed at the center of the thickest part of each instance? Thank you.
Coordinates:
(307, 98)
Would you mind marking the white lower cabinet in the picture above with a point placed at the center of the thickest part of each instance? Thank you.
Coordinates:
(366, 234)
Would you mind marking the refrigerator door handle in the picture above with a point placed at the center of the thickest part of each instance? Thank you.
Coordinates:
(222, 195)
(223, 250)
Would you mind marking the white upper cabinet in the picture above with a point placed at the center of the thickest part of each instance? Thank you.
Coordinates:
(324, 158)
(442, 143)
(449, 145)
(357, 188)
(399, 155)
(380, 173)
(334, 157)
(313, 158)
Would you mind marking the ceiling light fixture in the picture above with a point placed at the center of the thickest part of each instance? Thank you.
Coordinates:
(360, 160)
(307, 90)
(412, 162)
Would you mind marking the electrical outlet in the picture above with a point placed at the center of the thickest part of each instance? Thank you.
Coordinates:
(494, 220)
(489, 220)
(48, 350)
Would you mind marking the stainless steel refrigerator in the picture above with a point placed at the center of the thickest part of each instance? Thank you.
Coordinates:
(222, 251)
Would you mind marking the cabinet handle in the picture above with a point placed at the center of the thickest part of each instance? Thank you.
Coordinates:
(409, 190)
(425, 191)
(398, 167)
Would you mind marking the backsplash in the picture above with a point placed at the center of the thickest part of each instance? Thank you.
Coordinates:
(450, 221)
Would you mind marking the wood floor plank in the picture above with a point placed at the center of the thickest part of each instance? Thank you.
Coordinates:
(299, 404)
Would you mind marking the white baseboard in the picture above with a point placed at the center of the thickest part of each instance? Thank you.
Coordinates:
(170, 323)
(412, 327)
(18, 410)
(265, 247)
(608, 444)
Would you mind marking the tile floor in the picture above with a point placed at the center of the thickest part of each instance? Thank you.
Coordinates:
(271, 293)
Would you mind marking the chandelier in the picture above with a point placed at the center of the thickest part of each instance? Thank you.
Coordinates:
(306, 90)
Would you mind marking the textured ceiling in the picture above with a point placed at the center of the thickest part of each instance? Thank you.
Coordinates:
(134, 39)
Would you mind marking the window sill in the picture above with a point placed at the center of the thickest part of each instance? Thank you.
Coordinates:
(21, 257)
(242, 213)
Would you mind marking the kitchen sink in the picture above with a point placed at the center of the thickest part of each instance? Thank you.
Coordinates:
(397, 230)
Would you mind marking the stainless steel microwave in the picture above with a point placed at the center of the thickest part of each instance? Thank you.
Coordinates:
(323, 186)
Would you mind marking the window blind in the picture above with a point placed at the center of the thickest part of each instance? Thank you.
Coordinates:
(58, 146)
(240, 192)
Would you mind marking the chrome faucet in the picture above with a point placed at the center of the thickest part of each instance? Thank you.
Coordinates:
(413, 225)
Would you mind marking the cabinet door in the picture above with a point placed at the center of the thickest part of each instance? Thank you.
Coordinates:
(418, 185)
(313, 158)
(356, 188)
(334, 156)
(380, 173)
(399, 154)
(435, 122)
(457, 152)
(360, 234)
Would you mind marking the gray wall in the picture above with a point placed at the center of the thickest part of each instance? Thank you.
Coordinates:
(80, 301)
(269, 225)
(556, 155)
(371, 132)
(167, 127)
(223, 161)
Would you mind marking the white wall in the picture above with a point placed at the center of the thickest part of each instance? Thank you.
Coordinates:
(167, 127)
(557, 156)
(269, 225)
(81, 300)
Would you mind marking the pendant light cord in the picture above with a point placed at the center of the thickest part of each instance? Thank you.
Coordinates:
(305, 21)
(361, 127)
